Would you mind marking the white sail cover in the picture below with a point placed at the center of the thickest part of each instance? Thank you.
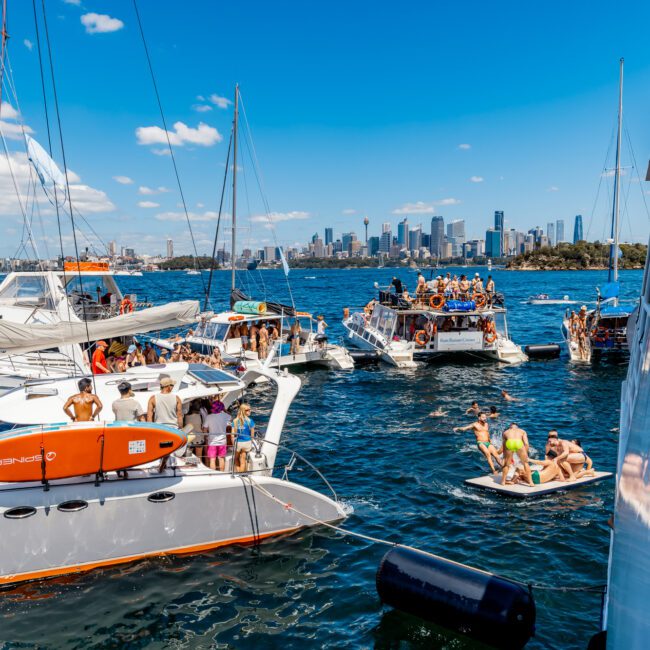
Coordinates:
(18, 338)
(48, 171)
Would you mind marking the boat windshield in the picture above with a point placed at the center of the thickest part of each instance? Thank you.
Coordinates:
(27, 291)
(215, 331)
(383, 320)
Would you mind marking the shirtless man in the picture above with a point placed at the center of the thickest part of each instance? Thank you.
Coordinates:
(481, 430)
(490, 289)
(85, 405)
(508, 397)
(455, 287)
(438, 413)
(264, 342)
(549, 472)
(463, 286)
(569, 455)
(493, 413)
(515, 441)
(474, 409)
(254, 334)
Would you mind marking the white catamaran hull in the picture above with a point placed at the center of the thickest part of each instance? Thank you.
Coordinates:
(395, 353)
(146, 515)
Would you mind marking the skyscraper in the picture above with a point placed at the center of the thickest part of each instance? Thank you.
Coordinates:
(577, 229)
(550, 233)
(170, 248)
(329, 236)
(403, 232)
(437, 236)
(456, 229)
(493, 240)
(347, 238)
(385, 242)
(559, 231)
(415, 239)
(385, 227)
(373, 246)
(112, 248)
(499, 224)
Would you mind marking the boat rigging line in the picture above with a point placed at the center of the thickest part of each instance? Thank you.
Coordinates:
(216, 232)
(197, 264)
(67, 179)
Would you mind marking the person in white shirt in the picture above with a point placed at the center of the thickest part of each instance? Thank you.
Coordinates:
(321, 337)
(216, 425)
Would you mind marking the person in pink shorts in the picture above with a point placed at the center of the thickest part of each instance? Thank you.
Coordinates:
(216, 425)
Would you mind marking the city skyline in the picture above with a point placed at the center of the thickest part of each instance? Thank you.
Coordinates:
(495, 129)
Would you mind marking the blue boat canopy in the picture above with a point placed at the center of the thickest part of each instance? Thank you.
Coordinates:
(610, 290)
(610, 311)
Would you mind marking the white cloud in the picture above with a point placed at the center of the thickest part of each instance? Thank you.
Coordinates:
(465, 146)
(123, 180)
(161, 152)
(200, 205)
(86, 199)
(612, 172)
(221, 102)
(182, 134)
(276, 217)
(143, 189)
(349, 211)
(148, 204)
(209, 215)
(28, 44)
(202, 108)
(200, 98)
(76, 3)
(100, 23)
(11, 129)
(8, 112)
(476, 179)
(553, 188)
(420, 207)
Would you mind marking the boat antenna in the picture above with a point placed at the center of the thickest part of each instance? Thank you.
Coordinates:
(216, 232)
(197, 264)
(235, 124)
(613, 254)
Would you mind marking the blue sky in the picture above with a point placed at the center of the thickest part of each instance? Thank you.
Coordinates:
(355, 108)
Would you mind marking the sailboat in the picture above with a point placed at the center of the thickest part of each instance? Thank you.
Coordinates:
(294, 339)
(603, 330)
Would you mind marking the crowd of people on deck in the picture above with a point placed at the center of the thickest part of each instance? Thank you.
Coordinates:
(212, 427)
(451, 287)
(564, 460)
(117, 356)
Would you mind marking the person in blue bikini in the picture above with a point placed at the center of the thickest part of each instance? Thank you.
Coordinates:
(243, 427)
(481, 430)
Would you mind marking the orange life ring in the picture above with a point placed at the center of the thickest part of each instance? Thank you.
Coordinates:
(490, 337)
(236, 318)
(479, 299)
(126, 306)
(436, 301)
(421, 338)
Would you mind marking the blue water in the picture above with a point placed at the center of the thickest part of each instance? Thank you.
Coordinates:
(369, 432)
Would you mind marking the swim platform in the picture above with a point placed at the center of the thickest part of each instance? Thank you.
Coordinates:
(493, 482)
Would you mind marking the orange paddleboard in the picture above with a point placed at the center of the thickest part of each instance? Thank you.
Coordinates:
(65, 450)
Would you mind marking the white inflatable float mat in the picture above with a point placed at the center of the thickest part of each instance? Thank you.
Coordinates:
(520, 490)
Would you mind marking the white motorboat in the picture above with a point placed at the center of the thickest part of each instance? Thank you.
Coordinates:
(79, 523)
(432, 326)
(303, 349)
(192, 272)
(545, 299)
(46, 316)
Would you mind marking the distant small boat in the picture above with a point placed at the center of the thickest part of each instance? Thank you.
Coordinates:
(545, 299)
(192, 272)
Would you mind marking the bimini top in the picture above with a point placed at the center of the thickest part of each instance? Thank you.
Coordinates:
(611, 311)
(232, 317)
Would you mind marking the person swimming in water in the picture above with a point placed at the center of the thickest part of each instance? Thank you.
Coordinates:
(515, 441)
(481, 430)
(508, 397)
(474, 409)
(493, 413)
(438, 413)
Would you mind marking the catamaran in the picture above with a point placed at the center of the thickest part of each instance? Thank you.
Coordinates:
(432, 325)
(48, 318)
(58, 520)
(603, 330)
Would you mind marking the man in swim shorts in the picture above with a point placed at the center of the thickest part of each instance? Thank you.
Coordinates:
(474, 409)
(549, 472)
(481, 430)
(515, 441)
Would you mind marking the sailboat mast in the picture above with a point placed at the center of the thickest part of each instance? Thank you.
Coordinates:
(613, 257)
(234, 190)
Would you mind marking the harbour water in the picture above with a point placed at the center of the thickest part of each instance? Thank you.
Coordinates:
(400, 471)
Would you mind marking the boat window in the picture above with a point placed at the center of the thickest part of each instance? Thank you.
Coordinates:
(161, 497)
(20, 512)
(72, 506)
(215, 331)
(30, 291)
